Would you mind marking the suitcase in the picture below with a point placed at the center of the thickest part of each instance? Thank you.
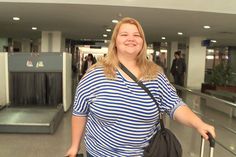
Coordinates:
(80, 155)
(212, 145)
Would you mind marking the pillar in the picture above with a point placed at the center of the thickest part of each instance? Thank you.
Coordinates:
(156, 48)
(3, 44)
(195, 54)
(51, 41)
(173, 47)
(232, 58)
(26, 45)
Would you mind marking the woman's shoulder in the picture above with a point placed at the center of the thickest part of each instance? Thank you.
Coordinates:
(95, 70)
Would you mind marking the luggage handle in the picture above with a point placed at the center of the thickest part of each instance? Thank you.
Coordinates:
(211, 140)
(212, 145)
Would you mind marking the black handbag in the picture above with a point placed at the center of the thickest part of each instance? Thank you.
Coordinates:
(164, 143)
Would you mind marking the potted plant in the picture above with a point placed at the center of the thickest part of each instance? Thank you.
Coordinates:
(221, 74)
(219, 78)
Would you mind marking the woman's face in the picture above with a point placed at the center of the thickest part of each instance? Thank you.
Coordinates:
(128, 40)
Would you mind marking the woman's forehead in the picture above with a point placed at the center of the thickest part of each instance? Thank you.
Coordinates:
(128, 27)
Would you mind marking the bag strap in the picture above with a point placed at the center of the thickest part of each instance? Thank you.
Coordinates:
(146, 90)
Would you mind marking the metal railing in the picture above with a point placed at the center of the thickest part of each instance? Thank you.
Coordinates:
(205, 96)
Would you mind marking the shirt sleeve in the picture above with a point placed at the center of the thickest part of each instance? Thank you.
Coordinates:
(169, 100)
(83, 96)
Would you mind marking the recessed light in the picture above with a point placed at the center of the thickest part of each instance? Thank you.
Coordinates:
(16, 18)
(104, 35)
(180, 33)
(34, 28)
(213, 41)
(232, 147)
(207, 27)
(114, 21)
(163, 38)
(108, 30)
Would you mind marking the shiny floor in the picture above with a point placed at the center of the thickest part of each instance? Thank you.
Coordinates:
(56, 145)
(28, 119)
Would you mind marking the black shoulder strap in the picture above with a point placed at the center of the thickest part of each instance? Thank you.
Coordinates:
(144, 88)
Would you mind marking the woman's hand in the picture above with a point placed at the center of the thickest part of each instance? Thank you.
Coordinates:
(72, 152)
(184, 115)
(204, 128)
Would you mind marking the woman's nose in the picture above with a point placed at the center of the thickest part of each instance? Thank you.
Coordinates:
(130, 38)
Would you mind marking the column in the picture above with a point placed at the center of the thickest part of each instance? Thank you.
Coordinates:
(10, 45)
(156, 48)
(52, 41)
(232, 58)
(195, 55)
(3, 44)
(26, 45)
(173, 47)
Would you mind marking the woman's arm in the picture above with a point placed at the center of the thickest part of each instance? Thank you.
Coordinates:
(185, 116)
(78, 126)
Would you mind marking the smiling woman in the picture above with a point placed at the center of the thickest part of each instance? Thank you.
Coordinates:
(128, 42)
(118, 117)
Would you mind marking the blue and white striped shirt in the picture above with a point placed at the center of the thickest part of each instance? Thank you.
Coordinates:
(121, 116)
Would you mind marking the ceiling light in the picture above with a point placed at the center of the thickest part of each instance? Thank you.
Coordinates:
(163, 38)
(209, 57)
(16, 18)
(34, 28)
(213, 41)
(114, 21)
(210, 50)
(163, 51)
(180, 33)
(108, 30)
(207, 27)
(232, 147)
(104, 35)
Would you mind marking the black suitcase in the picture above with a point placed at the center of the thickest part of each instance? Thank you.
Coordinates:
(212, 146)
(80, 155)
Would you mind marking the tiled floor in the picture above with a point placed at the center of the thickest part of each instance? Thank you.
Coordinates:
(55, 145)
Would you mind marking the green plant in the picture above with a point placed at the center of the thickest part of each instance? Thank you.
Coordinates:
(221, 74)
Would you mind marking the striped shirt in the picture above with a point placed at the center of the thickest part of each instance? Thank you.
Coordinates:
(121, 115)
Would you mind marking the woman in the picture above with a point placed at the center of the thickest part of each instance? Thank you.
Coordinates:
(87, 63)
(117, 116)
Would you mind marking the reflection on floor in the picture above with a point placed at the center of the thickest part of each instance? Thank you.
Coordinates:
(55, 145)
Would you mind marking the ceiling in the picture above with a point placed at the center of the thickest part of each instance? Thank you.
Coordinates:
(78, 21)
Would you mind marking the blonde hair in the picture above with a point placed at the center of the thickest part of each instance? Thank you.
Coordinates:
(149, 70)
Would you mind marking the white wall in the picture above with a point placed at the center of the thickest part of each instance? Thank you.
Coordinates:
(4, 85)
(67, 81)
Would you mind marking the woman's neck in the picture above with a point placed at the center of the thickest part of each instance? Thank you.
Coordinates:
(129, 63)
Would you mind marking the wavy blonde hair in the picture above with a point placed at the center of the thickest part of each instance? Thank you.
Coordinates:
(149, 70)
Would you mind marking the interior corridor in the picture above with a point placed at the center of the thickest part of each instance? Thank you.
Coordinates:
(56, 144)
